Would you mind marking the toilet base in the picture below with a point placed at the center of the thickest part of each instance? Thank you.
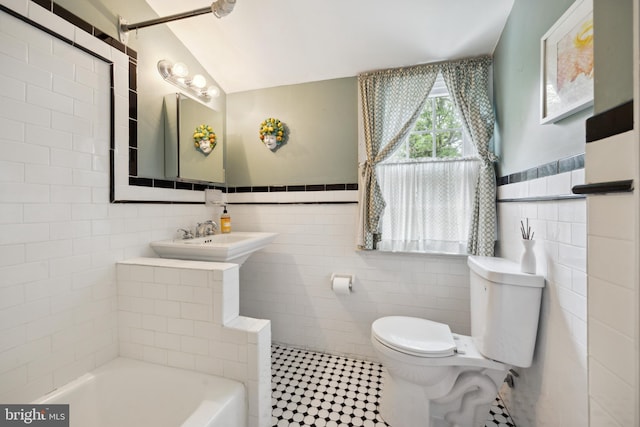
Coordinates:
(467, 404)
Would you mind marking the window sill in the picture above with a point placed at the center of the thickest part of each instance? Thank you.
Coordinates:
(414, 253)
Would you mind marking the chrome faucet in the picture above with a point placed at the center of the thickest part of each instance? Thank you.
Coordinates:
(186, 234)
(207, 228)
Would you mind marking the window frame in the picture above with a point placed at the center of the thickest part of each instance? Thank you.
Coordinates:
(439, 90)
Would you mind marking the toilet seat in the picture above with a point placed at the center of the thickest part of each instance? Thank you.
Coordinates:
(414, 336)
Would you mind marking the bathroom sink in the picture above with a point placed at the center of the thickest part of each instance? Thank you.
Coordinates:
(234, 247)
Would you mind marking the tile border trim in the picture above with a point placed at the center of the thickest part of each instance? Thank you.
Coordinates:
(556, 167)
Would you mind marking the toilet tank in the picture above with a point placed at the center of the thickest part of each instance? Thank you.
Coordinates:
(505, 308)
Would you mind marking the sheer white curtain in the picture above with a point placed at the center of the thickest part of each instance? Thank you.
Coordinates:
(424, 205)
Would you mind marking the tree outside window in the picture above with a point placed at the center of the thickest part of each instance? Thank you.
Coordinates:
(437, 134)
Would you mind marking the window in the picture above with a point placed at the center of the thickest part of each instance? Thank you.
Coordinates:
(428, 182)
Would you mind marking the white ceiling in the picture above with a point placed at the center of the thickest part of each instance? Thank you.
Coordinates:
(267, 43)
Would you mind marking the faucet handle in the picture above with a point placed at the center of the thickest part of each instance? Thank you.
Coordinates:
(186, 234)
(210, 227)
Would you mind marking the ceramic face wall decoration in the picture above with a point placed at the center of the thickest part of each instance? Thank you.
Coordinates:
(273, 133)
(204, 139)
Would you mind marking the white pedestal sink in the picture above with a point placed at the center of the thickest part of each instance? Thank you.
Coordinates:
(234, 247)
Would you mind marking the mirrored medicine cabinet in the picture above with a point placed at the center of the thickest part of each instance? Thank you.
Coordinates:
(184, 159)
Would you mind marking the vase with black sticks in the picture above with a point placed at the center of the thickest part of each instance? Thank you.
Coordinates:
(528, 258)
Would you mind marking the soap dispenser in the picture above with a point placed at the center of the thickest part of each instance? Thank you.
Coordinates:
(225, 221)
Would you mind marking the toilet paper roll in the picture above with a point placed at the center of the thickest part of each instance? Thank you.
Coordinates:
(341, 285)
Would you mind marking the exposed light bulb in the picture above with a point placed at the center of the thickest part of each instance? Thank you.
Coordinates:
(213, 91)
(178, 75)
(179, 70)
(198, 81)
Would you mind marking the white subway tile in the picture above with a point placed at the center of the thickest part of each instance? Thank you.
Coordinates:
(68, 265)
(38, 251)
(612, 397)
(194, 345)
(11, 213)
(181, 360)
(180, 326)
(12, 88)
(155, 323)
(196, 311)
(11, 296)
(209, 365)
(13, 379)
(12, 130)
(155, 355)
(23, 153)
(50, 325)
(70, 194)
(11, 255)
(180, 293)
(611, 260)
(12, 337)
(90, 42)
(573, 256)
(577, 177)
(45, 98)
(23, 273)
(612, 216)
(193, 277)
(612, 305)
(71, 159)
(167, 341)
(42, 212)
(167, 308)
(20, 6)
(29, 113)
(40, 174)
(27, 74)
(51, 21)
(612, 349)
(80, 59)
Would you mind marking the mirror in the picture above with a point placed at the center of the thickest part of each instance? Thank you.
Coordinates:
(186, 160)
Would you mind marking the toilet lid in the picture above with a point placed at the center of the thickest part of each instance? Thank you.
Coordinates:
(415, 336)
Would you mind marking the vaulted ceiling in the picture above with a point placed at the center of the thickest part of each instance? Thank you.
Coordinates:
(267, 43)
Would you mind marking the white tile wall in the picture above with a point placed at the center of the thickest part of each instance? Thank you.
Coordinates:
(185, 314)
(553, 391)
(59, 236)
(613, 284)
(289, 281)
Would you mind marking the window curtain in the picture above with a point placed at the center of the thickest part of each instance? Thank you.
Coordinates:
(392, 101)
(425, 200)
(468, 84)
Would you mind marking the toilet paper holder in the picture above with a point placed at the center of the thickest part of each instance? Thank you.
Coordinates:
(349, 277)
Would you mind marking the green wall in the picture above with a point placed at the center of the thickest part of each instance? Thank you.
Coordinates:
(521, 141)
(323, 142)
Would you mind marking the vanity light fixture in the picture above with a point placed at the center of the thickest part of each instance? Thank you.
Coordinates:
(220, 8)
(178, 75)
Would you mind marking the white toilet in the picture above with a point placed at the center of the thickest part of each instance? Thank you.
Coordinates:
(434, 378)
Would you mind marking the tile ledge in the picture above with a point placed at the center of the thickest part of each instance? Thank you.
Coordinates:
(178, 263)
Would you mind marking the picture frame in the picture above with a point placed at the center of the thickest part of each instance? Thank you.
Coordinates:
(566, 64)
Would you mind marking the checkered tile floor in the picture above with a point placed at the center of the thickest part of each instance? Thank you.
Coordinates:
(321, 390)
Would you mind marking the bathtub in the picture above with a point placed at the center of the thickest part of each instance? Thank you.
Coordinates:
(131, 393)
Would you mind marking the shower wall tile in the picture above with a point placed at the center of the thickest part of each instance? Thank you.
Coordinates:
(60, 236)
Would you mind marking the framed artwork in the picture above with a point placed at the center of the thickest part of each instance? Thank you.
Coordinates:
(566, 75)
